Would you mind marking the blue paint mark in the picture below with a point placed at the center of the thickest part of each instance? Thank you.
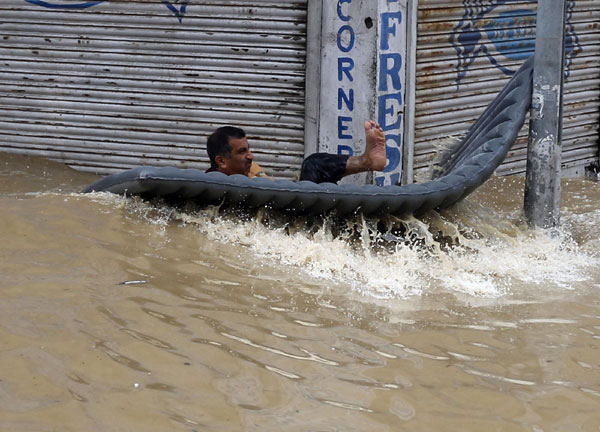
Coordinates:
(55, 5)
(350, 45)
(345, 67)
(340, 12)
(178, 7)
(471, 39)
(392, 72)
(572, 45)
(392, 153)
(345, 150)
(394, 179)
(512, 34)
(345, 99)
(343, 127)
(389, 105)
(388, 28)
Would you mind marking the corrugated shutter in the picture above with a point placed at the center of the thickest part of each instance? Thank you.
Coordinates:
(129, 83)
(467, 51)
(582, 86)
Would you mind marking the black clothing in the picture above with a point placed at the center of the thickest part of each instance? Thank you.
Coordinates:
(324, 168)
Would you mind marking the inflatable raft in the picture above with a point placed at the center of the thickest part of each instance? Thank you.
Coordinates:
(459, 172)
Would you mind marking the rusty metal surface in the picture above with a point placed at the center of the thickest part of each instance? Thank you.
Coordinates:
(467, 51)
(122, 84)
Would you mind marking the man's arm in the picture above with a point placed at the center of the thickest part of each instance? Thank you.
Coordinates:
(257, 171)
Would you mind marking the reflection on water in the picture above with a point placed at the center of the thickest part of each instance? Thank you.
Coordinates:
(120, 315)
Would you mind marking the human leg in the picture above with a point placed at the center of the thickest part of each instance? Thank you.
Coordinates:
(324, 168)
(373, 159)
(331, 168)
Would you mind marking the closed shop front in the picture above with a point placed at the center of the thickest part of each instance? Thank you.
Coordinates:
(468, 50)
(107, 85)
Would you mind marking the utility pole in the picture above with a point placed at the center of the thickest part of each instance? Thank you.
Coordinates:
(542, 187)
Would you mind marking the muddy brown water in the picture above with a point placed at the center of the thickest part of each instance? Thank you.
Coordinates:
(119, 315)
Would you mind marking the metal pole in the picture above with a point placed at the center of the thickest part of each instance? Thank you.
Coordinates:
(542, 187)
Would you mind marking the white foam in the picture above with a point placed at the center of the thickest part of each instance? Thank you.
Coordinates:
(323, 256)
(488, 257)
(483, 269)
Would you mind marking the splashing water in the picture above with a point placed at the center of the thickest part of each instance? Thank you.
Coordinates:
(465, 251)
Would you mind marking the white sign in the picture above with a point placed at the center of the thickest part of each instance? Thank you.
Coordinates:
(362, 78)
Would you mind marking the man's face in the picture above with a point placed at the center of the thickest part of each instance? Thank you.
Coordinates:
(240, 160)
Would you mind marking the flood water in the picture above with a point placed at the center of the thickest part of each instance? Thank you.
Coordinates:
(120, 315)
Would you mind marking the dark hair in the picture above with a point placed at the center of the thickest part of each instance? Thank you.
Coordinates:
(218, 143)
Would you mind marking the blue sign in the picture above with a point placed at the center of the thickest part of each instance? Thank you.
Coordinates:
(346, 41)
(390, 100)
(503, 38)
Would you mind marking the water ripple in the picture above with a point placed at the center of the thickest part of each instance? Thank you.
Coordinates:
(309, 356)
(248, 358)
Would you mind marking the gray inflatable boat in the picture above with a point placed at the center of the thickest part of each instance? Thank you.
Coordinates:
(459, 172)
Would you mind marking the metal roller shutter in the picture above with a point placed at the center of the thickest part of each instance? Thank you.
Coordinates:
(128, 83)
(582, 86)
(467, 51)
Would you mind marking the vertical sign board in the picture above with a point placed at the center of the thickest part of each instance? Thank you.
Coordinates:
(391, 79)
(347, 76)
(362, 78)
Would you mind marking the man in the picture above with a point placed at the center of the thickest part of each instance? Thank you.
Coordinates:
(230, 154)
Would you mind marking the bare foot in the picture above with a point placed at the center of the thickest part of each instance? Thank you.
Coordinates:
(374, 156)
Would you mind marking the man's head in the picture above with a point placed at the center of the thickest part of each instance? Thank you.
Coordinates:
(229, 152)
